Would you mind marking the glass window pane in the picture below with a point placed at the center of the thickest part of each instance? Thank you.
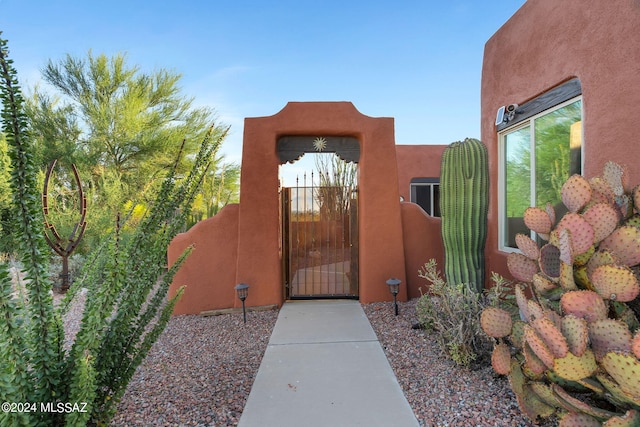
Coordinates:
(427, 195)
(517, 146)
(558, 141)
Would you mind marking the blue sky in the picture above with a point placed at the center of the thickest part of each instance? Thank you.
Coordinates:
(418, 61)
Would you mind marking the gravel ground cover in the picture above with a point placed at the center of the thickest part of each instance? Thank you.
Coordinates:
(441, 393)
(200, 372)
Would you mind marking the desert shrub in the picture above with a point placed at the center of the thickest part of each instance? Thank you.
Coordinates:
(451, 314)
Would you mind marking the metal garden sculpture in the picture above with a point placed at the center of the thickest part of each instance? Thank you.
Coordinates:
(64, 246)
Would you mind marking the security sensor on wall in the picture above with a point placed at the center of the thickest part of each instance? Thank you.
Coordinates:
(500, 115)
(506, 113)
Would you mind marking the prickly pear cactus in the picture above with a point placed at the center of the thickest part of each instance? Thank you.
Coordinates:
(464, 200)
(574, 346)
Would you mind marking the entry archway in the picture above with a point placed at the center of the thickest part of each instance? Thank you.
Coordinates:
(381, 252)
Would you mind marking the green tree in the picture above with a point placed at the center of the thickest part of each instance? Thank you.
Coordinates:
(120, 126)
(220, 187)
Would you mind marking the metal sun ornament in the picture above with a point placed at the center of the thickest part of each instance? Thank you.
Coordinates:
(320, 143)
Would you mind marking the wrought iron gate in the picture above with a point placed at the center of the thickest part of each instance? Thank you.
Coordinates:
(320, 241)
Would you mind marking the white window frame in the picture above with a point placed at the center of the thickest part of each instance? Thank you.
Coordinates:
(530, 121)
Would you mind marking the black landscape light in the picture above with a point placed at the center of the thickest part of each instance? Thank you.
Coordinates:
(394, 288)
(242, 290)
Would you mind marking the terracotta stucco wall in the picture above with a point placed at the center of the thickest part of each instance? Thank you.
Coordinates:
(422, 241)
(209, 272)
(548, 42)
(421, 232)
(417, 161)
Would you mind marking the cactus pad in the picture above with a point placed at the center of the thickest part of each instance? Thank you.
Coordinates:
(602, 192)
(575, 368)
(603, 218)
(496, 322)
(501, 359)
(579, 405)
(535, 310)
(634, 219)
(537, 220)
(549, 261)
(545, 393)
(635, 344)
(614, 389)
(608, 335)
(532, 405)
(601, 257)
(542, 284)
(551, 212)
(575, 419)
(576, 192)
(538, 346)
(517, 334)
(584, 304)
(624, 243)
(564, 244)
(567, 280)
(630, 419)
(521, 300)
(576, 332)
(615, 283)
(521, 267)
(636, 198)
(552, 337)
(582, 233)
(625, 370)
(584, 257)
(527, 246)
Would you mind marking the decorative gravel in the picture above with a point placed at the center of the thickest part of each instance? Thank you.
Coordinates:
(441, 393)
(200, 372)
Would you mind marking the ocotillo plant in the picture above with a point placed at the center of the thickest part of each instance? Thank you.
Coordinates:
(464, 199)
(42, 380)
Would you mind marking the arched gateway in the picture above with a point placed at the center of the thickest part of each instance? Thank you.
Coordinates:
(243, 243)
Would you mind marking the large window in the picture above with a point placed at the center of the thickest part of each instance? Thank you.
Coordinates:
(426, 193)
(538, 154)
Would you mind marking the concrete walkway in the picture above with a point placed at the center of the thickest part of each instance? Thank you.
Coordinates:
(324, 367)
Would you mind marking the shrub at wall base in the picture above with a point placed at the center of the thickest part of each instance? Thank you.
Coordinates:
(464, 200)
(574, 349)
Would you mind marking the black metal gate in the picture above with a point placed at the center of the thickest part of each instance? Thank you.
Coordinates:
(320, 241)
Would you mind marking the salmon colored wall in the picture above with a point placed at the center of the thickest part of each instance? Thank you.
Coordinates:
(417, 161)
(421, 232)
(548, 42)
(209, 271)
(422, 241)
(380, 228)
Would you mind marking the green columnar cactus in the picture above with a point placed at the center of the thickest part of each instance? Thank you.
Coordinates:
(464, 199)
(578, 334)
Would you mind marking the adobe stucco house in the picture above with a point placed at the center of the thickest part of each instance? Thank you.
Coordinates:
(570, 71)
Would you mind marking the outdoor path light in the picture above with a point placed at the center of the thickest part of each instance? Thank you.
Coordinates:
(242, 290)
(394, 287)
